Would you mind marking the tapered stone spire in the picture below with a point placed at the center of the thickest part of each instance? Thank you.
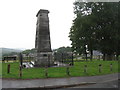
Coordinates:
(42, 43)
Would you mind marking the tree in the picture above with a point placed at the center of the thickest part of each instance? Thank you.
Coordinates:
(96, 26)
(63, 49)
(28, 51)
(82, 32)
(106, 20)
(62, 53)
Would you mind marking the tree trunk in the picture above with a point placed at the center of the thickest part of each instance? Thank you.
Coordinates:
(85, 52)
(86, 56)
(117, 57)
(104, 57)
(91, 55)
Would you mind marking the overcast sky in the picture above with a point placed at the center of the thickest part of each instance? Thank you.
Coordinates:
(18, 22)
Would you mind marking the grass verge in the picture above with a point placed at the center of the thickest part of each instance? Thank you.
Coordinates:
(55, 72)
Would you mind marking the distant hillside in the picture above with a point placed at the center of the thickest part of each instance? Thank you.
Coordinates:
(8, 50)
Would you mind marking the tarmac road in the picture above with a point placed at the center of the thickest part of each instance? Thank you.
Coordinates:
(109, 85)
(102, 81)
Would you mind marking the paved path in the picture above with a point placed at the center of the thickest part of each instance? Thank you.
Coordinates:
(51, 82)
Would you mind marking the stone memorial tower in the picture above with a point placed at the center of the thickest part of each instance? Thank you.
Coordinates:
(42, 43)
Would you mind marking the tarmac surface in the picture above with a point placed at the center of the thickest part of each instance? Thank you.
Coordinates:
(59, 82)
(107, 84)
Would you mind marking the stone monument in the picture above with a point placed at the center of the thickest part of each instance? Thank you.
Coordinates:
(42, 43)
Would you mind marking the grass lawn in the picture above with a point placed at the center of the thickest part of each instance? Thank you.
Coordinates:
(53, 72)
(0, 70)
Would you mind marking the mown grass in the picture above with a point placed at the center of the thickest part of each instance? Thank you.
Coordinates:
(0, 70)
(55, 72)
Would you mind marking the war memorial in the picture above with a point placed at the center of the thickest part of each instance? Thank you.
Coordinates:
(43, 55)
(67, 70)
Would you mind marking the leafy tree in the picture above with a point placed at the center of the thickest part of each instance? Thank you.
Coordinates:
(62, 53)
(63, 49)
(29, 51)
(106, 20)
(97, 27)
(82, 32)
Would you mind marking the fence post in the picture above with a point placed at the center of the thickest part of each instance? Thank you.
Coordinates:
(21, 59)
(100, 68)
(85, 68)
(8, 69)
(111, 67)
(67, 71)
(20, 73)
(20, 66)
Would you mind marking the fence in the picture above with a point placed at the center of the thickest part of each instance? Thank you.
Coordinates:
(66, 58)
(67, 70)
